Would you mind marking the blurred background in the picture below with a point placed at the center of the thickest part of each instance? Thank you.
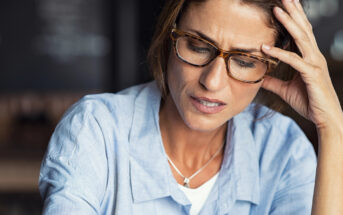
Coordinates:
(53, 52)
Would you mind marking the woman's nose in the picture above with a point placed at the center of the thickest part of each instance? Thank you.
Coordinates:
(214, 76)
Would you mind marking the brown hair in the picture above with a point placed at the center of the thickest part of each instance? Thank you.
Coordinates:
(161, 45)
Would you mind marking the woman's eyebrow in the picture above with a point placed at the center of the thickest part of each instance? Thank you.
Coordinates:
(204, 36)
(245, 50)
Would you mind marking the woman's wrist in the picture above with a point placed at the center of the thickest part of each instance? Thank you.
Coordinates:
(332, 129)
(330, 140)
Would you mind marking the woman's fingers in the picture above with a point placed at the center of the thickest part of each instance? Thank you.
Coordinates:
(305, 20)
(287, 57)
(310, 71)
(297, 13)
(300, 37)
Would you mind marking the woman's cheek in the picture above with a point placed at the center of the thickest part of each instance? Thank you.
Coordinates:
(243, 94)
(180, 78)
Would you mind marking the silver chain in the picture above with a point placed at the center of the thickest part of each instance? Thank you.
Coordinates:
(186, 180)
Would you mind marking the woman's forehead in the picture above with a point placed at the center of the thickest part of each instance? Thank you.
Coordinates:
(229, 23)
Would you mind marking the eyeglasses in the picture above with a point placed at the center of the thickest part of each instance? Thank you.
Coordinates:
(199, 52)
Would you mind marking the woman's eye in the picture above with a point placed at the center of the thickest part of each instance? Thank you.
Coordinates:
(244, 63)
(198, 48)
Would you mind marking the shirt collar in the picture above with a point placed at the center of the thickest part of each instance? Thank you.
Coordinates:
(147, 163)
(151, 177)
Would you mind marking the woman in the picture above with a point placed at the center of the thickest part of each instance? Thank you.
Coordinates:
(194, 142)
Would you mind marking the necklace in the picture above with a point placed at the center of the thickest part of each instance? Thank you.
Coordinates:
(186, 180)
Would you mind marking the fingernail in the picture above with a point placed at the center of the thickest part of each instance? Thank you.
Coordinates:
(266, 47)
(279, 10)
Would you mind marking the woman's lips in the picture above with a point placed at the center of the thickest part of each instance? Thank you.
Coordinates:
(208, 106)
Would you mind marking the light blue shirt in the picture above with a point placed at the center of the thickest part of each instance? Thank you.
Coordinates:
(106, 157)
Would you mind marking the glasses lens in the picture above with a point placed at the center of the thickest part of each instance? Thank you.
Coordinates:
(246, 68)
(194, 51)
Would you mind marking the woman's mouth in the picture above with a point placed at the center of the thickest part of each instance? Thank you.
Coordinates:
(206, 105)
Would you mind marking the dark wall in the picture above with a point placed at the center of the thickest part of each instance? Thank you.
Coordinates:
(49, 45)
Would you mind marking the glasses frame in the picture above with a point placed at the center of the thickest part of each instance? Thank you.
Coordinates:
(177, 33)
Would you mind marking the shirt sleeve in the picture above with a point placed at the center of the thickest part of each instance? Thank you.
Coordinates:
(74, 169)
(295, 191)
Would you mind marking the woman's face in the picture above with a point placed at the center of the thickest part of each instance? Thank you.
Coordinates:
(207, 97)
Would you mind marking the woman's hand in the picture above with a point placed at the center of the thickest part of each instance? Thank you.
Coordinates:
(311, 93)
(313, 96)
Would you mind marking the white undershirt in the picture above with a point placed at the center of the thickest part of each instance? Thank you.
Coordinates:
(199, 195)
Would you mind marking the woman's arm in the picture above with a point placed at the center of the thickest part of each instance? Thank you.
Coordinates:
(73, 173)
(328, 197)
(312, 95)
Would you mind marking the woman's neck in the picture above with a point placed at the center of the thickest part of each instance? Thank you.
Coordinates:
(184, 145)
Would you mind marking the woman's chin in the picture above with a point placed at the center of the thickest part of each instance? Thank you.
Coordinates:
(203, 124)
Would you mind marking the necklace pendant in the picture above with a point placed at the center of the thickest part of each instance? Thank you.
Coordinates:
(186, 182)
